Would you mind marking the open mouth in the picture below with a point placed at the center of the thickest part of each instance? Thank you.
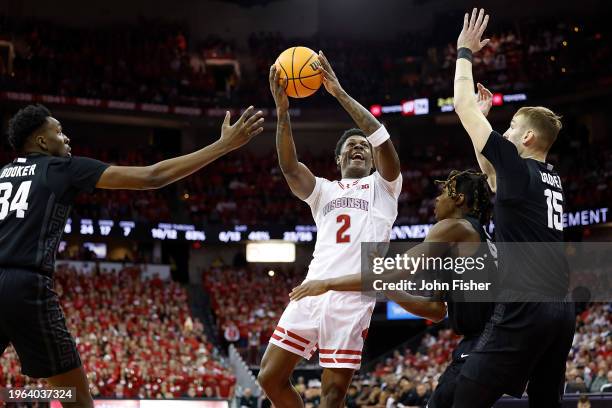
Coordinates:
(357, 156)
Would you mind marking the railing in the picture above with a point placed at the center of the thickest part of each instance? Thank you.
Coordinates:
(244, 377)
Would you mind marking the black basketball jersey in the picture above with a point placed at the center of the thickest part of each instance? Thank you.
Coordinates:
(470, 318)
(36, 195)
(528, 209)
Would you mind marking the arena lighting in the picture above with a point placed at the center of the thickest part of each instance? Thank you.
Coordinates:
(98, 248)
(498, 99)
(270, 252)
(376, 110)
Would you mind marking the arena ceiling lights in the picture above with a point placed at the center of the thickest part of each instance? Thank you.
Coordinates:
(270, 252)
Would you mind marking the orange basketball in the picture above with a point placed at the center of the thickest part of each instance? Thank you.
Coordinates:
(300, 66)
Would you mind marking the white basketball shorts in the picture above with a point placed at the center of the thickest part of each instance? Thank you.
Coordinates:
(335, 323)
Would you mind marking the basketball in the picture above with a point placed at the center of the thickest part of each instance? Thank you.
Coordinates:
(300, 67)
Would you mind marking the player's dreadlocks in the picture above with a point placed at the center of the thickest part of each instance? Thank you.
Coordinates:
(473, 185)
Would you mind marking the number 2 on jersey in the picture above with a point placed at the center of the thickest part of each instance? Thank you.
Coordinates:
(555, 209)
(341, 235)
(19, 202)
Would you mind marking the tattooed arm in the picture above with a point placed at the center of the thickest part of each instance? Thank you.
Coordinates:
(386, 160)
(300, 179)
(472, 119)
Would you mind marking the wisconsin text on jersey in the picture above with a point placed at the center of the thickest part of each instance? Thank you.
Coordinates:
(346, 202)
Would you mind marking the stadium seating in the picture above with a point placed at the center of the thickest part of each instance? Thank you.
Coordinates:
(254, 313)
(137, 339)
(166, 66)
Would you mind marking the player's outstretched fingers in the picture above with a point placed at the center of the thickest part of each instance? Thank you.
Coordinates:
(483, 26)
(256, 131)
(255, 118)
(483, 93)
(324, 62)
(325, 75)
(226, 119)
(247, 113)
(480, 19)
(272, 74)
(277, 78)
(473, 18)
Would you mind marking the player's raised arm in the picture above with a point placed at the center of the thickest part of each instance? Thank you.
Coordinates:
(300, 179)
(168, 171)
(386, 159)
(484, 100)
(469, 41)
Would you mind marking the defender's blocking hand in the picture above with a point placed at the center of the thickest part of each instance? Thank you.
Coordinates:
(473, 29)
(243, 130)
(484, 99)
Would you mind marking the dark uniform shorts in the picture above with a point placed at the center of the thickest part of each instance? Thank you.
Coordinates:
(32, 320)
(445, 391)
(523, 342)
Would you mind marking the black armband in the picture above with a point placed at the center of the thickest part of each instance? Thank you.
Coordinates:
(466, 53)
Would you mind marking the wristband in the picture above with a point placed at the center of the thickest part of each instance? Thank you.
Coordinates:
(466, 53)
(379, 137)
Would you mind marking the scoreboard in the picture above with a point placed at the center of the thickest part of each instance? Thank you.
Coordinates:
(162, 231)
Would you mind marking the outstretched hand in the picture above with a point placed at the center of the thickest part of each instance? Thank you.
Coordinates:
(473, 29)
(243, 130)
(330, 80)
(484, 99)
(310, 288)
(277, 87)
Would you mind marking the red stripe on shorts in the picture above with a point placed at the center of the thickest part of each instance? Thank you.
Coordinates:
(295, 336)
(326, 351)
(340, 360)
(294, 345)
(351, 352)
(291, 334)
(288, 342)
(349, 360)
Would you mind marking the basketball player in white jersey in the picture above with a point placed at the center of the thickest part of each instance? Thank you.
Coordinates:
(361, 207)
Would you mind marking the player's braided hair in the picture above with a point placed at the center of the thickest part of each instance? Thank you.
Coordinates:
(24, 123)
(474, 187)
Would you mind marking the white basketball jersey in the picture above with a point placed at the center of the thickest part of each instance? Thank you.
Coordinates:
(347, 213)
